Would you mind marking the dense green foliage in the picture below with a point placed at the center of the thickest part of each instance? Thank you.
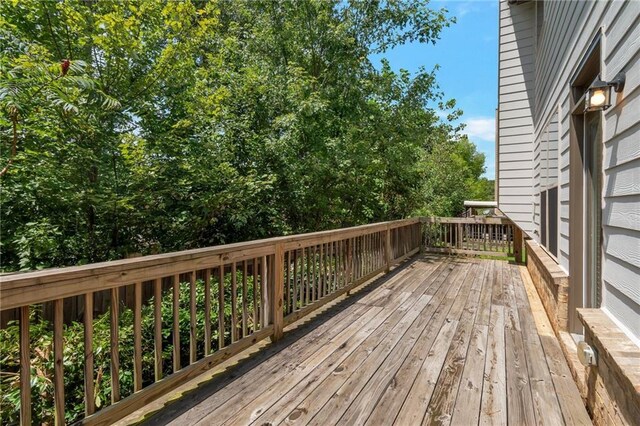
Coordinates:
(193, 123)
(42, 360)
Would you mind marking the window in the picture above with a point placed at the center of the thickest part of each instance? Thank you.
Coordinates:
(549, 186)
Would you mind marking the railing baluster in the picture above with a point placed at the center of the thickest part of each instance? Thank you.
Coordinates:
(207, 311)
(176, 323)
(295, 281)
(89, 401)
(221, 306)
(347, 271)
(58, 369)
(287, 282)
(303, 284)
(255, 294)
(374, 250)
(137, 337)
(360, 257)
(193, 343)
(495, 232)
(234, 303)
(326, 272)
(308, 276)
(314, 281)
(381, 258)
(115, 354)
(387, 251)
(329, 267)
(396, 243)
(369, 253)
(342, 265)
(407, 239)
(244, 299)
(321, 280)
(276, 293)
(25, 368)
(484, 235)
(321, 289)
(356, 258)
(157, 328)
(264, 292)
(363, 249)
(338, 264)
(365, 257)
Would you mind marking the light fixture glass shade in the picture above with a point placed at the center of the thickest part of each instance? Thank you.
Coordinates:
(598, 96)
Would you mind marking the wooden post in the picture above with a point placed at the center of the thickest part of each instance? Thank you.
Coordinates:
(387, 249)
(276, 292)
(517, 243)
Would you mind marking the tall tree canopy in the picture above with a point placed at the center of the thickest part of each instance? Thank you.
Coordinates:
(146, 126)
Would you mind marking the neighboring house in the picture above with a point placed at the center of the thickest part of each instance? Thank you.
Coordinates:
(569, 176)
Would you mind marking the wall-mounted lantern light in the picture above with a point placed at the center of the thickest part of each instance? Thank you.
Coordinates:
(599, 94)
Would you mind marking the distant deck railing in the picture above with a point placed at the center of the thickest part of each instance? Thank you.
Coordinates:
(476, 235)
(233, 296)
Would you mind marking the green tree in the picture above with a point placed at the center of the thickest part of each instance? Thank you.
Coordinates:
(182, 124)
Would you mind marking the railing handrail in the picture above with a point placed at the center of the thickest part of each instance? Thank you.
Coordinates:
(25, 288)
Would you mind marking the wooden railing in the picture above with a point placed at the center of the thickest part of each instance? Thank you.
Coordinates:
(490, 236)
(243, 292)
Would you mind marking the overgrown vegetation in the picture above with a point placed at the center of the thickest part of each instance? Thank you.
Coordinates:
(136, 127)
(42, 359)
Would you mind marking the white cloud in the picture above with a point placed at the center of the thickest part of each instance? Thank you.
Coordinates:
(482, 128)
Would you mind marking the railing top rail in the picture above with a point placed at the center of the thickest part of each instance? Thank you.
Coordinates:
(182, 261)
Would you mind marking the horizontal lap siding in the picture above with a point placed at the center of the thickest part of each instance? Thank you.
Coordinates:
(569, 28)
(621, 163)
(515, 124)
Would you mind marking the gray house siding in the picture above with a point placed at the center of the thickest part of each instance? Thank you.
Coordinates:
(515, 124)
(560, 42)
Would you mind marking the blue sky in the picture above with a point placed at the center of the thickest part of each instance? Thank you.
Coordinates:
(467, 53)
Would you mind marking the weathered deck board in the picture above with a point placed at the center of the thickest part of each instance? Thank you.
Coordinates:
(441, 340)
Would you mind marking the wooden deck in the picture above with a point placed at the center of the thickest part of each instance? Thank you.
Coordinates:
(440, 340)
